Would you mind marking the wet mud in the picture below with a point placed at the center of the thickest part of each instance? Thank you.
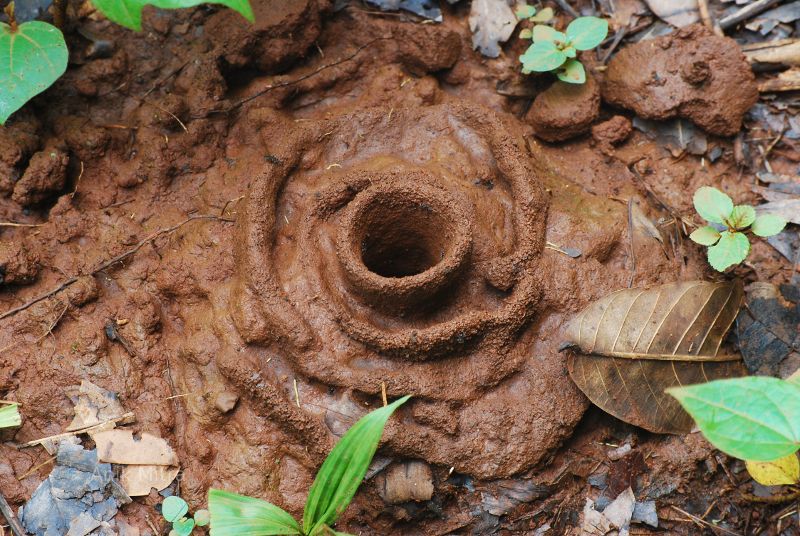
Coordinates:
(387, 221)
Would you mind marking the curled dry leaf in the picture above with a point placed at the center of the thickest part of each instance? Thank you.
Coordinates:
(645, 341)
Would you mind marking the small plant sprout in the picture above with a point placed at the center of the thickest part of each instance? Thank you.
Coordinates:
(333, 488)
(556, 51)
(725, 237)
(174, 510)
(35, 54)
(9, 416)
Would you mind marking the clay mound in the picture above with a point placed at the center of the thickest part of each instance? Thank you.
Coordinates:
(691, 73)
(403, 248)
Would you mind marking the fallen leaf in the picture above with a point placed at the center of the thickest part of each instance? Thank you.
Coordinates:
(679, 13)
(616, 515)
(139, 479)
(492, 22)
(781, 472)
(93, 405)
(676, 135)
(119, 446)
(766, 329)
(788, 209)
(645, 341)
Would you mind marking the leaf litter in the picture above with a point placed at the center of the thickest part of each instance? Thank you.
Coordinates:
(636, 343)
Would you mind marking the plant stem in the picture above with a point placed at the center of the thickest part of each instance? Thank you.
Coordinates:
(12, 20)
(60, 13)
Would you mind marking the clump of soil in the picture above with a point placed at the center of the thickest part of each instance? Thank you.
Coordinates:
(690, 73)
(565, 110)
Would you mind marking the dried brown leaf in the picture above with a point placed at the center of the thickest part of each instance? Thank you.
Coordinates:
(645, 341)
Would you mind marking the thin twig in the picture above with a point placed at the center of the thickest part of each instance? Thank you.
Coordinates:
(107, 264)
(746, 12)
(705, 16)
(13, 522)
(630, 237)
(563, 4)
(32, 470)
(696, 519)
(87, 430)
(14, 224)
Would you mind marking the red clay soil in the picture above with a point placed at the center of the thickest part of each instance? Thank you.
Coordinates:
(381, 217)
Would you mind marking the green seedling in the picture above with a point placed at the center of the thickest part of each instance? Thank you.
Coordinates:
(554, 51)
(727, 242)
(35, 54)
(756, 419)
(9, 416)
(334, 487)
(174, 510)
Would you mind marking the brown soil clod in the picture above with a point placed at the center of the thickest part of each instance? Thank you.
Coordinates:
(565, 110)
(691, 73)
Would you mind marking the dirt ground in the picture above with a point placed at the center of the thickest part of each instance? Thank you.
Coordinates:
(232, 172)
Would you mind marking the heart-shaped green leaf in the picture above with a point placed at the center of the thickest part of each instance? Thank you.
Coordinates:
(33, 57)
(712, 205)
(755, 418)
(768, 225)
(706, 236)
(184, 526)
(174, 508)
(585, 33)
(548, 33)
(128, 13)
(742, 216)
(572, 72)
(525, 33)
(731, 249)
(542, 56)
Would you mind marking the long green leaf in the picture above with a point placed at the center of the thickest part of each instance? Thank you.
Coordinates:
(238, 515)
(344, 469)
(755, 418)
(9, 416)
(31, 59)
(128, 13)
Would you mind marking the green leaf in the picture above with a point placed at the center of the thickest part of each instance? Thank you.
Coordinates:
(542, 56)
(239, 515)
(570, 52)
(128, 13)
(174, 508)
(202, 518)
(547, 33)
(544, 15)
(525, 12)
(585, 33)
(742, 216)
(525, 33)
(9, 416)
(183, 527)
(712, 205)
(33, 58)
(768, 225)
(572, 72)
(755, 418)
(731, 249)
(344, 469)
(706, 236)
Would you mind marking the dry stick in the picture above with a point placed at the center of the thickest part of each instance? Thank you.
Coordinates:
(563, 4)
(32, 470)
(14, 224)
(696, 519)
(630, 237)
(86, 430)
(13, 522)
(294, 81)
(107, 264)
(618, 37)
(705, 16)
(746, 12)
